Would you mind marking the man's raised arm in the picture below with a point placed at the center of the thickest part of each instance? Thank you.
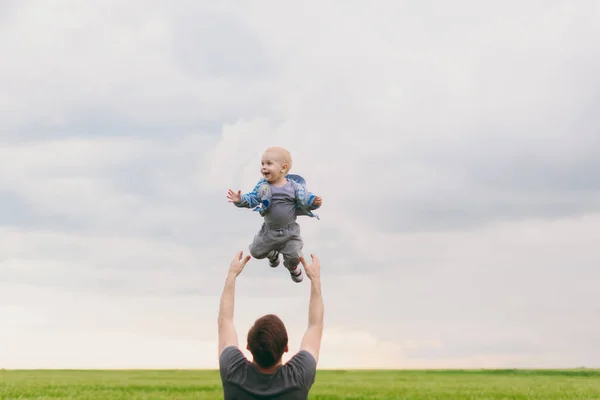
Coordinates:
(311, 341)
(227, 333)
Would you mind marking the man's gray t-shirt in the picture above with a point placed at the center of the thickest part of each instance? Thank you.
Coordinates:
(282, 211)
(242, 380)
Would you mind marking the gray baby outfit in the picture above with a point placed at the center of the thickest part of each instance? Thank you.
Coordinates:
(280, 231)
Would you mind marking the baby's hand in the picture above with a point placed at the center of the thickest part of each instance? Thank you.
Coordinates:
(234, 197)
(318, 201)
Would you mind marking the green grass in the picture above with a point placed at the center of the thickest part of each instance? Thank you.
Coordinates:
(329, 385)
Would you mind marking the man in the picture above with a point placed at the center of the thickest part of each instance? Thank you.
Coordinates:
(266, 377)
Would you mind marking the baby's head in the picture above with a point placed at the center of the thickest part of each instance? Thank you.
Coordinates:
(276, 163)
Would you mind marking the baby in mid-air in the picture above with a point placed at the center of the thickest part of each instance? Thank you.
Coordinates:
(279, 197)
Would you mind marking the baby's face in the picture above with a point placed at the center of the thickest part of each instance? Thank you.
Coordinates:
(272, 166)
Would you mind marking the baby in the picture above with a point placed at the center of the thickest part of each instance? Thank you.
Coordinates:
(279, 197)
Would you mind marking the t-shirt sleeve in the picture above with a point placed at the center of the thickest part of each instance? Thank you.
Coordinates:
(304, 366)
(231, 358)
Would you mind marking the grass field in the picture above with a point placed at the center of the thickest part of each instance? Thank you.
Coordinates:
(179, 385)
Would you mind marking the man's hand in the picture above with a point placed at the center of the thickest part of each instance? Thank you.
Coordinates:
(234, 197)
(237, 264)
(318, 201)
(314, 269)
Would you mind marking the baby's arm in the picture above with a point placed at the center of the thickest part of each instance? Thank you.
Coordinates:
(250, 199)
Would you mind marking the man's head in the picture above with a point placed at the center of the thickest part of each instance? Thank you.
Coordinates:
(276, 162)
(267, 340)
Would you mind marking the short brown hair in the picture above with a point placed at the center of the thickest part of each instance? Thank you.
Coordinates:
(267, 340)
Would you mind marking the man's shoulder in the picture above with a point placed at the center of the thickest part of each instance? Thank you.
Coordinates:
(303, 367)
(303, 363)
(230, 351)
(304, 356)
(230, 358)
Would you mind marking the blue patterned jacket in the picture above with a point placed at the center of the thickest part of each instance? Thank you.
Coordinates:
(260, 197)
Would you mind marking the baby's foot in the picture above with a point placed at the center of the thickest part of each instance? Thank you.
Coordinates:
(296, 274)
(273, 258)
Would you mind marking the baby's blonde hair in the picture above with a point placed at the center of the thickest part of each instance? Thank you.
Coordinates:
(286, 156)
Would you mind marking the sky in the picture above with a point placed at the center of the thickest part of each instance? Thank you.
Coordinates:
(455, 145)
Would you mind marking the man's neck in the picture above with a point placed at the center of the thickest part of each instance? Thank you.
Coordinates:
(269, 370)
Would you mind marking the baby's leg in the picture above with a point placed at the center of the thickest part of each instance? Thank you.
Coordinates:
(292, 251)
(262, 244)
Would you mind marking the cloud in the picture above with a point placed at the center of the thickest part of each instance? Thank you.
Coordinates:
(461, 125)
(139, 73)
(454, 148)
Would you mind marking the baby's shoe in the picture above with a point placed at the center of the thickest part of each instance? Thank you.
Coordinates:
(273, 258)
(296, 274)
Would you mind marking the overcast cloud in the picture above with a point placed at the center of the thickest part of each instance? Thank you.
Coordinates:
(455, 145)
